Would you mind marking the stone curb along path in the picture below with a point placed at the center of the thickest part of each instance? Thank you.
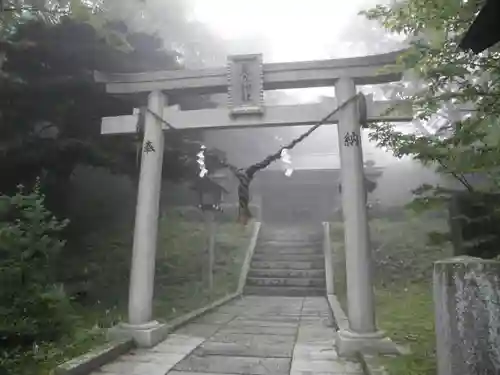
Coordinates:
(252, 335)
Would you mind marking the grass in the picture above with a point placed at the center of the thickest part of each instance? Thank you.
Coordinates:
(179, 286)
(407, 316)
(403, 263)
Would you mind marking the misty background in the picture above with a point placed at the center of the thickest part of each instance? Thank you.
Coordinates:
(206, 32)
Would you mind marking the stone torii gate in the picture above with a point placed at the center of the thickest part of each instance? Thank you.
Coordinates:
(245, 79)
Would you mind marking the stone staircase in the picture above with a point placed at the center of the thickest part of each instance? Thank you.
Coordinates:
(288, 262)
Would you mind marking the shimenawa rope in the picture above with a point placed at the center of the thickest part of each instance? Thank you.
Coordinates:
(245, 176)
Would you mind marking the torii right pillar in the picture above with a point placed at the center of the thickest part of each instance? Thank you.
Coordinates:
(362, 334)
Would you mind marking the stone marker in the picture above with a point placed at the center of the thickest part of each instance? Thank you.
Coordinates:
(467, 308)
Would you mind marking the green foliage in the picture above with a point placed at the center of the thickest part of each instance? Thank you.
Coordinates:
(472, 214)
(50, 114)
(449, 77)
(454, 90)
(34, 307)
(50, 108)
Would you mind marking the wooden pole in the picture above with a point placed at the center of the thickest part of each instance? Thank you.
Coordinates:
(210, 230)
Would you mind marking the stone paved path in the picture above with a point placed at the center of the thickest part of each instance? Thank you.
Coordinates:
(251, 336)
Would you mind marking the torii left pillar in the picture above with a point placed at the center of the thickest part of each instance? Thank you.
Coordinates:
(141, 327)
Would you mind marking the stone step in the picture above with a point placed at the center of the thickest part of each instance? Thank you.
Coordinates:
(309, 282)
(288, 265)
(305, 249)
(290, 233)
(294, 242)
(272, 242)
(289, 250)
(286, 273)
(284, 291)
(286, 227)
(287, 257)
(300, 237)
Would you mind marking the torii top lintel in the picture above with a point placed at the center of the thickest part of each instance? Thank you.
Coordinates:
(363, 70)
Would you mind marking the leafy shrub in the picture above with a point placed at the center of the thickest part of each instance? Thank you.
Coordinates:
(474, 222)
(34, 308)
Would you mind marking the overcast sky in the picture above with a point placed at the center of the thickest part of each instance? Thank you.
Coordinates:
(298, 30)
(291, 30)
(294, 29)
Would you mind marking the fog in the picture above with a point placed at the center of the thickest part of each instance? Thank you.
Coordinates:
(287, 31)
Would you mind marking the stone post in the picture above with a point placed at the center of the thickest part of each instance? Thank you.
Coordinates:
(467, 315)
(362, 334)
(140, 326)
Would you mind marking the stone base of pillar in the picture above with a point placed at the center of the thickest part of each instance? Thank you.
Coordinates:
(349, 343)
(144, 335)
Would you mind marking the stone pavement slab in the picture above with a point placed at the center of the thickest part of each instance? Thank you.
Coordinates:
(314, 351)
(235, 365)
(216, 318)
(249, 336)
(254, 322)
(155, 361)
(248, 346)
(281, 331)
(199, 330)
(249, 339)
(278, 318)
